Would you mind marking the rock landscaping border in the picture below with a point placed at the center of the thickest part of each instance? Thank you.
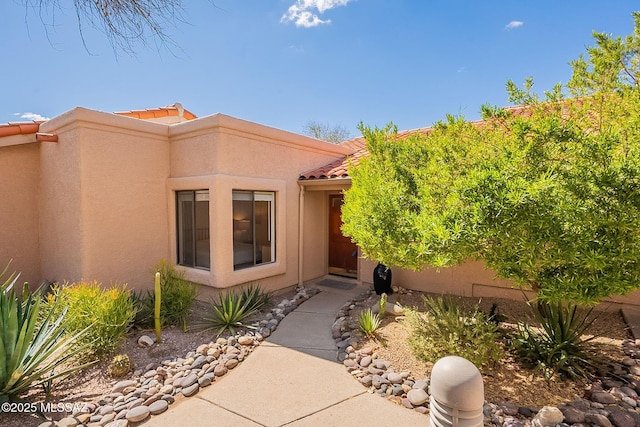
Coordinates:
(151, 390)
(611, 401)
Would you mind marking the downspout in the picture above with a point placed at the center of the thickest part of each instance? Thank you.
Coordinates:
(301, 236)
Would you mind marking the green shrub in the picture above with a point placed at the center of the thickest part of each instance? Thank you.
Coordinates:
(447, 329)
(32, 343)
(177, 293)
(558, 346)
(369, 322)
(231, 309)
(108, 313)
(255, 297)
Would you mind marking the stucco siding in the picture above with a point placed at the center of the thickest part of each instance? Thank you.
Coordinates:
(19, 184)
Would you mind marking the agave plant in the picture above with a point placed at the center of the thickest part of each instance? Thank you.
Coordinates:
(229, 311)
(561, 345)
(369, 322)
(30, 348)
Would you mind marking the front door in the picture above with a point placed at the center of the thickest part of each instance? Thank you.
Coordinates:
(343, 253)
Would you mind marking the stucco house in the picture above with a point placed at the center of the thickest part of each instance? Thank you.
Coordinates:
(105, 196)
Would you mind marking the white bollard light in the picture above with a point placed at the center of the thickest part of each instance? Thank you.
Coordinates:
(457, 394)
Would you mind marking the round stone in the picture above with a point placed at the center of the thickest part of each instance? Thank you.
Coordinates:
(548, 416)
(158, 407)
(231, 363)
(138, 413)
(220, 370)
(191, 390)
(417, 397)
(120, 386)
(189, 380)
(245, 340)
(395, 378)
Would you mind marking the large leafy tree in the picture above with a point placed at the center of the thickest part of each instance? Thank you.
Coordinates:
(546, 193)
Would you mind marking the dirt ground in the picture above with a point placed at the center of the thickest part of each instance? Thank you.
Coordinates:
(504, 382)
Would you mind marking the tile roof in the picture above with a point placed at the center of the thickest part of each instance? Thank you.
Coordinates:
(339, 168)
(19, 128)
(175, 110)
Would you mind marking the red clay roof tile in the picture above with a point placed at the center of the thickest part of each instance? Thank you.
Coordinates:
(152, 113)
(19, 128)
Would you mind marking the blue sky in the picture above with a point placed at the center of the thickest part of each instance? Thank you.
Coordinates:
(285, 62)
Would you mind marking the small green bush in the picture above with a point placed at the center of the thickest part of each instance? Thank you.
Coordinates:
(107, 313)
(447, 329)
(231, 309)
(559, 345)
(33, 343)
(369, 322)
(177, 298)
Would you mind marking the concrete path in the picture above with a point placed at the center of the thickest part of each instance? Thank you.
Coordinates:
(292, 379)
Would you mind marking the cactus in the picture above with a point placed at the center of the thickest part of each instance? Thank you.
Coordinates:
(120, 366)
(156, 313)
(382, 305)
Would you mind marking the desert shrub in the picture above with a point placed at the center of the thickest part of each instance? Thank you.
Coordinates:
(177, 296)
(231, 309)
(255, 297)
(107, 313)
(369, 322)
(445, 328)
(560, 345)
(34, 349)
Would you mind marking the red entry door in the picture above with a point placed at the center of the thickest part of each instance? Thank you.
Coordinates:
(343, 253)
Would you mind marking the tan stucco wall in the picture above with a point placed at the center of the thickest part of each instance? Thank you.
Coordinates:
(222, 154)
(103, 207)
(19, 182)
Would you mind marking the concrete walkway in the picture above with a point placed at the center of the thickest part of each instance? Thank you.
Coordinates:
(292, 379)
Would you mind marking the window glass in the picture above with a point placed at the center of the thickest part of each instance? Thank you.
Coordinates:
(253, 228)
(193, 228)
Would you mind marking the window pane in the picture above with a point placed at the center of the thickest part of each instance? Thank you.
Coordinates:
(193, 228)
(202, 229)
(242, 230)
(253, 228)
(264, 231)
(186, 250)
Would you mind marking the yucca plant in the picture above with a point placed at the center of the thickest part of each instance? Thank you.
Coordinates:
(369, 322)
(255, 297)
(30, 348)
(229, 311)
(560, 345)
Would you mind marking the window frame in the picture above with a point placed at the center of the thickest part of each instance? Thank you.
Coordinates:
(256, 196)
(194, 232)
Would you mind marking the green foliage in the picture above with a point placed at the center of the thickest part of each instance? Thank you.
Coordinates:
(546, 194)
(368, 322)
(231, 309)
(560, 345)
(31, 347)
(447, 329)
(177, 293)
(107, 314)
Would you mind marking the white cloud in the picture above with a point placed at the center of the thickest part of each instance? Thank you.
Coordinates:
(32, 116)
(302, 12)
(513, 24)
